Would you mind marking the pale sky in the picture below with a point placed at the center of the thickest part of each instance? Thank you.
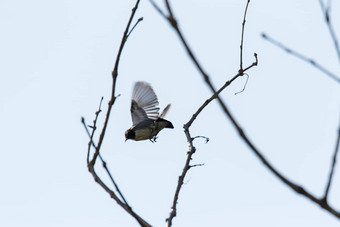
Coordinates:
(57, 58)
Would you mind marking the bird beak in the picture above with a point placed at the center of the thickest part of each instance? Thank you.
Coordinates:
(126, 140)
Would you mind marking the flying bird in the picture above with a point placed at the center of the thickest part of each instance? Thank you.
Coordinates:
(146, 120)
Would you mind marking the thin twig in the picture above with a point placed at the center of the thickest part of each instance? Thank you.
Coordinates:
(113, 181)
(139, 20)
(245, 84)
(91, 143)
(203, 137)
(88, 133)
(333, 166)
(93, 130)
(243, 25)
(197, 165)
(302, 57)
(330, 27)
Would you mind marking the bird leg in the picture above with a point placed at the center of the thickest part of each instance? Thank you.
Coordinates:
(153, 139)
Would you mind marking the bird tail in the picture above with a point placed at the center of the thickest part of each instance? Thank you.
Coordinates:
(168, 123)
(162, 115)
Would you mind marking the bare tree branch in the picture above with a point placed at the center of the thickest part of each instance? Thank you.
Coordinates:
(173, 22)
(93, 144)
(192, 148)
(91, 163)
(114, 76)
(190, 139)
(295, 187)
(302, 57)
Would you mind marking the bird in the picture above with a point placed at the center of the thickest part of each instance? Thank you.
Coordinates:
(146, 120)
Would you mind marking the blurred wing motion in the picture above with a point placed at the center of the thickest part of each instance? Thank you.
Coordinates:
(144, 103)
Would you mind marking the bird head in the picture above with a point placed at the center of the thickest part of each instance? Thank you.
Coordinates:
(129, 134)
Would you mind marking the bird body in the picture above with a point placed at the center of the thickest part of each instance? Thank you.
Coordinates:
(147, 122)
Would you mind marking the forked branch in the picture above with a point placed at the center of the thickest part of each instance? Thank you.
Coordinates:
(91, 162)
(297, 188)
(190, 139)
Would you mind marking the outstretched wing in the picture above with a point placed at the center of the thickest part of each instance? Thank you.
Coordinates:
(144, 103)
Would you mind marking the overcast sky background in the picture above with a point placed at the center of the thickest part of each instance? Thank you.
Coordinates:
(56, 62)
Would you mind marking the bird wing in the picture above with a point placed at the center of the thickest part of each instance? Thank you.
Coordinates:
(144, 103)
(137, 113)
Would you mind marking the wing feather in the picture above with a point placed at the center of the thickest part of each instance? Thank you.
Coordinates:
(144, 103)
